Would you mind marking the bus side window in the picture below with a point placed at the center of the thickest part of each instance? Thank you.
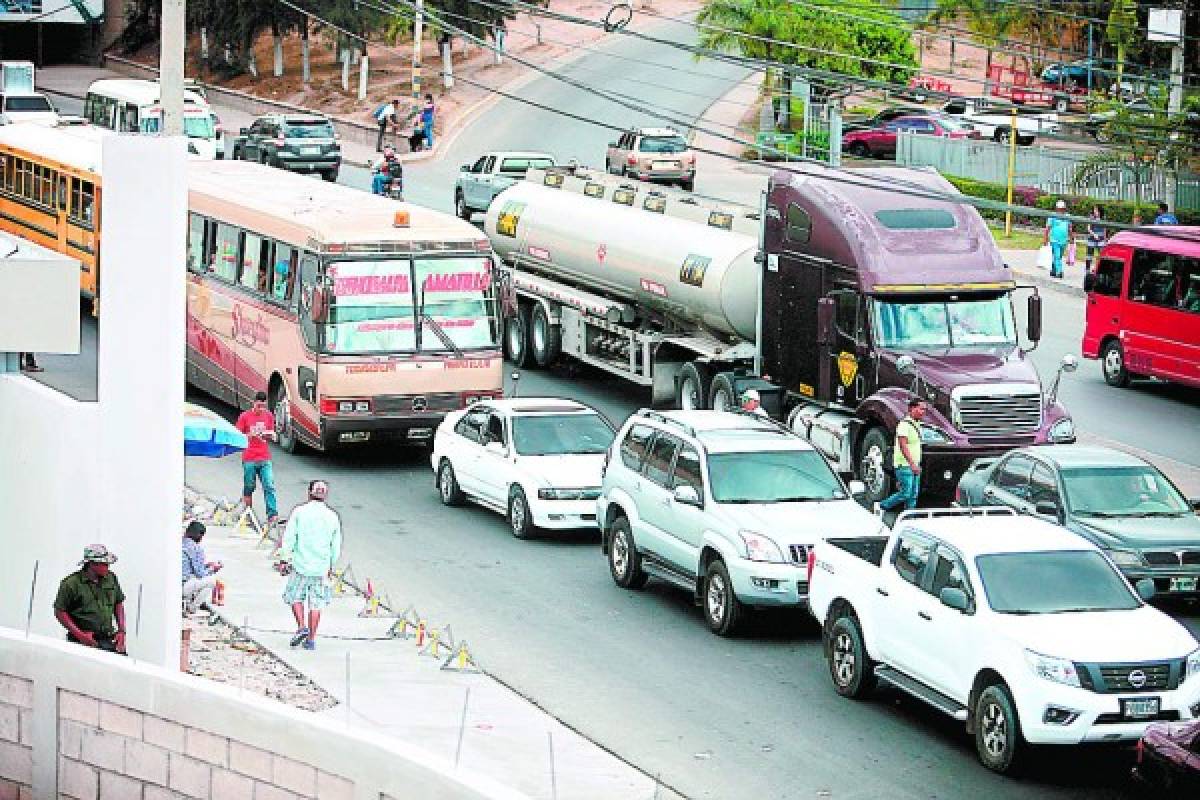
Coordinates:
(252, 262)
(196, 238)
(224, 262)
(283, 272)
(1152, 279)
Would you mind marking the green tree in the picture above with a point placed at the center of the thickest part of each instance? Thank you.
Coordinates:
(1122, 31)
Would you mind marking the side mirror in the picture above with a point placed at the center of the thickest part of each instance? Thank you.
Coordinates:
(1089, 282)
(687, 495)
(1194, 502)
(1035, 318)
(906, 366)
(857, 488)
(1145, 589)
(954, 598)
(825, 312)
(1046, 508)
(320, 305)
(243, 131)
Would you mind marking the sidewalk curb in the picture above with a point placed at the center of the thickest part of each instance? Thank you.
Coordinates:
(1044, 281)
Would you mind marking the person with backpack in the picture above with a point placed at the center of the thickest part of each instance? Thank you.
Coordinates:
(385, 115)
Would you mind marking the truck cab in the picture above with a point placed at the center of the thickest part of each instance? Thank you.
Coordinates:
(870, 296)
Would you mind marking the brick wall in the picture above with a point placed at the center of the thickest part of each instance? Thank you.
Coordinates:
(110, 752)
(16, 738)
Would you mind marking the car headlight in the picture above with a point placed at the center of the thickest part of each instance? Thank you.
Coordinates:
(1125, 558)
(559, 494)
(1059, 670)
(931, 434)
(760, 548)
(1192, 667)
(1063, 430)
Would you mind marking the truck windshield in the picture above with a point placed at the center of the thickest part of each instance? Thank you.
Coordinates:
(1053, 583)
(1122, 492)
(774, 476)
(375, 305)
(937, 324)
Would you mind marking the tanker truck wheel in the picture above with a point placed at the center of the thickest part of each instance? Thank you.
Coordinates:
(870, 468)
(722, 396)
(694, 387)
(545, 338)
(516, 337)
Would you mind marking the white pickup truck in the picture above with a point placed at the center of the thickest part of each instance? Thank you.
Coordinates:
(1020, 629)
(490, 175)
(995, 121)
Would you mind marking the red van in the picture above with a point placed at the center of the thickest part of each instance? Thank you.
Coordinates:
(1143, 306)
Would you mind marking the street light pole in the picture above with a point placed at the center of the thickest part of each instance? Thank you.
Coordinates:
(170, 75)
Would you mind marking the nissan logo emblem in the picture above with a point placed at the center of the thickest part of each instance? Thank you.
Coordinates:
(1137, 679)
(419, 404)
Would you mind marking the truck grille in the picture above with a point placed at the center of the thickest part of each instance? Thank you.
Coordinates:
(999, 415)
(1172, 558)
(1113, 678)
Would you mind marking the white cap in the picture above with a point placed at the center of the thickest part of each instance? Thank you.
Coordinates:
(1061, 204)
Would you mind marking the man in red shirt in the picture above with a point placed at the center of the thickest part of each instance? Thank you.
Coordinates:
(259, 425)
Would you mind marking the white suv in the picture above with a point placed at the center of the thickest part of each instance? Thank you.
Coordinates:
(726, 505)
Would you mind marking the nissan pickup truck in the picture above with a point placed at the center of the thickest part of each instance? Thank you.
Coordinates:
(1023, 631)
(491, 174)
(994, 121)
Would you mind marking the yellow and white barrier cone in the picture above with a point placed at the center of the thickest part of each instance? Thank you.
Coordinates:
(407, 619)
(437, 640)
(460, 660)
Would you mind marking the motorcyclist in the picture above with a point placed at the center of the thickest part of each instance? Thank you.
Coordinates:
(387, 170)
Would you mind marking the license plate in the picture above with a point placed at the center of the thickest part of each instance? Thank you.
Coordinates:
(310, 151)
(1183, 584)
(665, 165)
(1140, 707)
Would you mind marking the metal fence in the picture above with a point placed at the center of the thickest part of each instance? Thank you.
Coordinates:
(1053, 170)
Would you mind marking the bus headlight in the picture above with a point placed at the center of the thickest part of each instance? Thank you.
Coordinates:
(1062, 431)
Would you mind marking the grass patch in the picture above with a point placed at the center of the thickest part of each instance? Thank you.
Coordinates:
(1020, 239)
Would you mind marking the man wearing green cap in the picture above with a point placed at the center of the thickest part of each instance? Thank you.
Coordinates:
(89, 601)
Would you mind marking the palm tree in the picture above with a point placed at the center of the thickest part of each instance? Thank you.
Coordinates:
(1122, 32)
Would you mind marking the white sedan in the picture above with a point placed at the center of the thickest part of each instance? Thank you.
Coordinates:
(536, 460)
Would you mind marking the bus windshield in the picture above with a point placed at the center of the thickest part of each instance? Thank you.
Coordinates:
(375, 305)
(938, 324)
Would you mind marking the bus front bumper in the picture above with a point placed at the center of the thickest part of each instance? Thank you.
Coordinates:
(416, 428)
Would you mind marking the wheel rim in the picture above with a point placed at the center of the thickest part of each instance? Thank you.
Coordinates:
(872, 469)
(517, 513)
(716, 597)
(844, 661)
(619, 553)
(995, 730)
(283, 419)
(689, 394)
(1113, 363)
(447, 483)
(721, 400)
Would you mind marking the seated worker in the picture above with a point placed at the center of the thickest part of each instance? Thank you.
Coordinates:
(90, 599)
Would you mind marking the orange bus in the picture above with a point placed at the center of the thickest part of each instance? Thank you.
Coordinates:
(50, 191)
(362, 318)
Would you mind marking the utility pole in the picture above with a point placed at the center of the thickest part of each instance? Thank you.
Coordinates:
(1175, 100)
(170, 74)
(418, 24)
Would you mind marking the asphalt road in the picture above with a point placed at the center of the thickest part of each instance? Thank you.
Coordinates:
(752, 717)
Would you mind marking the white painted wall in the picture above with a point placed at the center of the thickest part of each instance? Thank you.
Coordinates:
(110, 472)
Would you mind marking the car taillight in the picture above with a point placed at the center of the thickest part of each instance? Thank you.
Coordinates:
(812, 562)
(959, 495)
(631, 159)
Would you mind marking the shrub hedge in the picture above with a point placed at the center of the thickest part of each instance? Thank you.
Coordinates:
(1113, 210)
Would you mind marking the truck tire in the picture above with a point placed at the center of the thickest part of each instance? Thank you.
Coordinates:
(694, 384)
(874, 455)
(722, 610)
(545, 338)
(1112, 362)
(624, 562)
(852, 670)
(460, 206)
(858, 150)
(722, 397)
(516, 337)
(998, 741)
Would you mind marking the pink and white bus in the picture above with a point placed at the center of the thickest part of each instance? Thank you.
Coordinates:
(363, 319)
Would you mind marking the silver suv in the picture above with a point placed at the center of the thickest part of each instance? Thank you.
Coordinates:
(723, 504)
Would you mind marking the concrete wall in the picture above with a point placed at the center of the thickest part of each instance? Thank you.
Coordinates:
(112, 472)
(85, 725)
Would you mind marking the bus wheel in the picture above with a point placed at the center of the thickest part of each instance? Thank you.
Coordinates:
(545, 338)
(286, 435)
(516, 337)
(1113, 361)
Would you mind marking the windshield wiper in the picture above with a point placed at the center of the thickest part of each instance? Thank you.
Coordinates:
(437, 329)
(1081, 609)
(1100, 514)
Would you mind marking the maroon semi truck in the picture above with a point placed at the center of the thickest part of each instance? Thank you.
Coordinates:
(837, 299)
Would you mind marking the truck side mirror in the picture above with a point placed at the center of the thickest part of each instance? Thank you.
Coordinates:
(906, 366)
(1035, 318)
(825, 312)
